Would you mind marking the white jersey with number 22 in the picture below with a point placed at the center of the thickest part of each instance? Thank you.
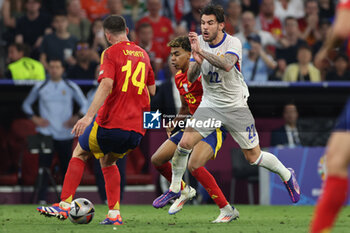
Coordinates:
(223, 89)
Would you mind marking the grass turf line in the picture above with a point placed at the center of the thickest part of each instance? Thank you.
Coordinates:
(192, 219)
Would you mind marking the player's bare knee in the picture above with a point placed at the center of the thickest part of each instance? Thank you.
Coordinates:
(185, 144)
(81, 153)
(108, 160)
(336, 164)
(192, 167)
(251, 157)
(156, 161)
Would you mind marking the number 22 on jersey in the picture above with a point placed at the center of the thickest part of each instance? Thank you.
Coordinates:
(141, 67)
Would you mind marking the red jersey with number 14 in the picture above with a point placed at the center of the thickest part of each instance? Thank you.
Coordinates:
(191, 91)
(129, 67)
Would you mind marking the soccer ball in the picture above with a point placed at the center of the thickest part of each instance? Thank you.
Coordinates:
(82, 211)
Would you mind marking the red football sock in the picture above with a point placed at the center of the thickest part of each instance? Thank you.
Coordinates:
(209, 183)
(329, 204)
(72, 179)
(165, 170)
(112, 180)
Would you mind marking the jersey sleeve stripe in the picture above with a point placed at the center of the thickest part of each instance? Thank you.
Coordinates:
(102, 55)
(233, 54)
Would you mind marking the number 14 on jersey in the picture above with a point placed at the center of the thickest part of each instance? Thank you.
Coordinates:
(141, 68)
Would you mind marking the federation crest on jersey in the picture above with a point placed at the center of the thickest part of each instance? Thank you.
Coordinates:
(151, 120)
(185, 87)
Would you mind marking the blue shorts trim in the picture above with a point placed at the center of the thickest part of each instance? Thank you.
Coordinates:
(215, 139)
(343, 121)
(101, 141)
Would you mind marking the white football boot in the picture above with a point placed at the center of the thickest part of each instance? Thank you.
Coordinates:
(186, 194)
(227, 214)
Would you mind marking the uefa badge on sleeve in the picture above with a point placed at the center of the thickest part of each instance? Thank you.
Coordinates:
(151, 120)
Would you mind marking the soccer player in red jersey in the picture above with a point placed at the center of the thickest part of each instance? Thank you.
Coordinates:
(126, 82)
(191, 96)
(335, 188)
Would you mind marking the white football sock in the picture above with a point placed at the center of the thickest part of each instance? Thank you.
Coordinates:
(226, 208)
(113, 213)
(272, 163)
(179, 164)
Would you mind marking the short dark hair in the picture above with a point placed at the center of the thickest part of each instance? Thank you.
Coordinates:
(38, 1)
(181, 41)
(216, 10)
(142, 26)
(21, 48)
(308, 1)
(341, 56)
(60, 13)
(289, 18)
(304, 46)
(115, 24)
(55, 59)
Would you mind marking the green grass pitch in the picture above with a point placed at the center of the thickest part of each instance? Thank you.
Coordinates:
(192, 219)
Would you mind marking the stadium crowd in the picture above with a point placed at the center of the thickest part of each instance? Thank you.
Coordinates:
(279, 37)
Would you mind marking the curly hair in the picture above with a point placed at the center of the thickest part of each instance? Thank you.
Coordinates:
(181, 41)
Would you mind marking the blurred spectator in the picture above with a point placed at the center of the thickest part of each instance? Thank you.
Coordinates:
(154, 49)
(291, 42)
(303, 70)
(249, 27)
(52, 7)
(135, 8)
(116, 7)
(162, 26)
(267, 20)
(55, 118)
(327, 9)
(250, 5)
(341, 69)
(78, 25)
(95, 9)
(192, 20)
(257, 64)
(11, 11)
(97, 39)
(323, 28)
(22, 67)
(278, 72)
(175, 9)
(31, 27)
(308, 25)
(85, 66)
(288, 134)
(60, 44)
(233, 17)
(289, 8)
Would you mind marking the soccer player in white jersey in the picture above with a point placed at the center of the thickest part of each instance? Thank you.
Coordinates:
(217, 56)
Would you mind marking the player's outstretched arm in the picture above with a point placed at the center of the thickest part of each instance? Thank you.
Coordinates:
(338, 33)
(226, 63)
(103, 90)
(183, 112)
(193, 71)
(152, 89)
